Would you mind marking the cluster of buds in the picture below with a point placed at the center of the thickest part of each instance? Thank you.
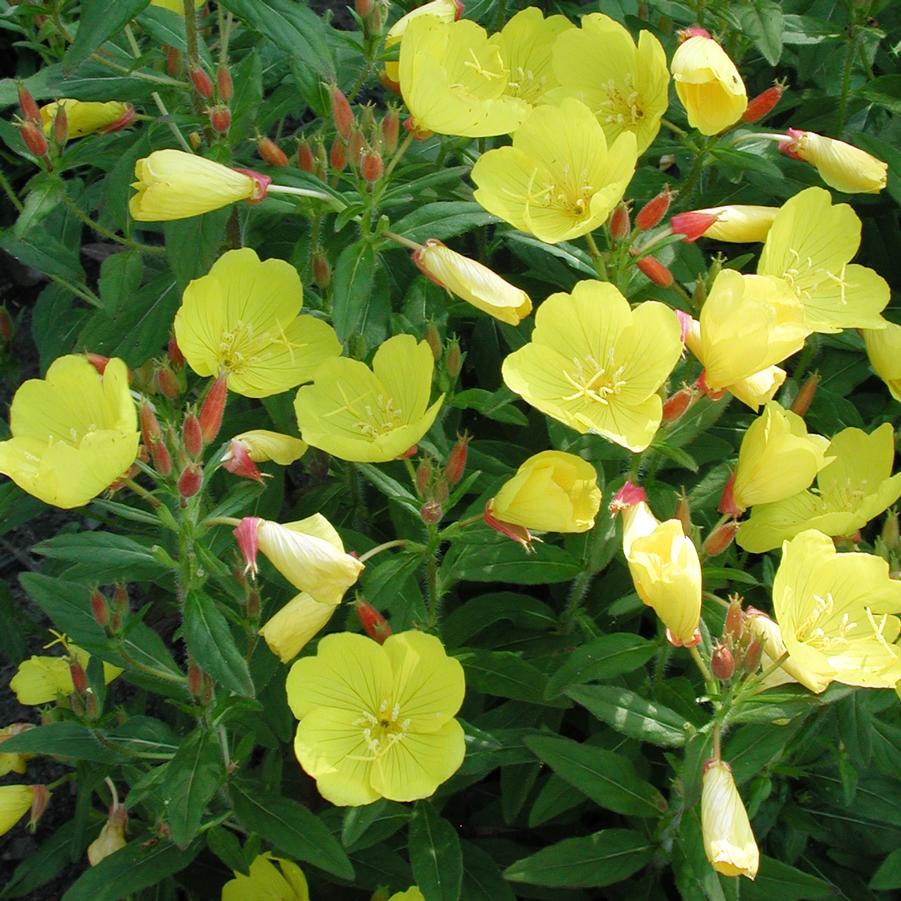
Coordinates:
(200, 685)
(218, 96)
(111, 614)
(31, 126)
(370, 14)
(434, 482)
(738, 650)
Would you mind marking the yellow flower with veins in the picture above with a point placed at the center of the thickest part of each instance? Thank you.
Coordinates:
(242, 318)
(748, 323)
(596, 365)
(370, 415)
(262, 445)
(377, 720)
(442, 10)
(453, 81)
(856, 486)
(810, 245)
(768, 633)
(86, 117)
(559, 180)
(623, 85)
(837, 612)
(708, 84)
(728, 840)
(884, 350)
(271, 878)
(15, 802)
(842, 166)
(740, 223)
(777, 458)
(526, 44)
(73, 433)
(40, 680)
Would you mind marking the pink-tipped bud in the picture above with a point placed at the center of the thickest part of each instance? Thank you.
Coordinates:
(121, 604)
(692, 225)
(79, 677)
(371, 166)
(150, 425)
(431, 512)
(456, 460)
(453, 362)
(727, 505)
(306, 162)
(173, 62)
(374, 624)
(363, 8)
(692, 642)
(237, 461)
(705, 389)
(694, 31)
(433, 339)
(342, 114)
(752, 656)
(212, 409)
(260, 187)
(735, 620)
(790, 147)
(6, 325)
(192, 436)
(337, 155)
(390, 130)
(655, 271)
(355, 145)
(322, 271)
(190, 480)
(683, 513)
(224, 83)
(27, 106)
(167, 381)
(763, 103)
(424, 473)
(40, 798)
(519, 534)
(160, 457)
(652, 213)
(722, 663)
(202, 82)
(122, 122)
(720, 539)
(99, 608)
(173, 351)
(34, 138)
(675, 406)
(804, 398)
(61, 126)
(620, 226)
(271, 153)
(248, 542)
(220, 118)
(627, 496)
(98, 361)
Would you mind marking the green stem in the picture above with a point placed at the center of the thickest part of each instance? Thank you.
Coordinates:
(10, 193)
(301, 192)
(705, 671)
(717, 738)
(433, 594)
(687, 189)
(597, 257)
(397, 542)
(577, 592)
(448, 533)
(105, 232)
(190, 11)
(713, 597)
(400, 239)
(401, 150)
(222, 521)
(681, 132)
(81, 291)
(846, 85)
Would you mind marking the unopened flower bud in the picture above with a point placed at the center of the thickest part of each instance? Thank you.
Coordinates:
(173, 62)
(692, 225)
(27, 105)
(720, 539)
(306, 162)
(271, 153)
(453, 361)
(456, 461)
(763, 103)
(202, 82)
(355, 144)
(40, 798)
(79, 677)
(212, 409)
(34, 138)
(253, 604)
(121, 603)
(224, 83)
(173, 351)
(676, 404)
(722, 663)
(98, 361)
(191, 436)
(6, 325)
(363, 8)
(433, 339)
(424, 473)
(238, 462)
(195, 679)
(342, 114)
(337, 155)
(654, 210)
(322, 271)
(371, 166)
(804, 397)
(431, 512)
(751, 660)
(190, 480)
(160, 457)
(620, 226)
(655, 271)
(374, 624)
(166, 381)
(890, 537)
(735, 620)
(99, 608)
(390, 130)
(683, 513)
(220, 118)
(727, 505)
(150, 425)
(61, 126)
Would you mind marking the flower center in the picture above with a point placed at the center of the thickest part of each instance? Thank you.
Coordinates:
(381, 730)
(240, 346)
(593, 381)
(621, 104)
(803, 276)
(526, 84)
(571, 192)
(821, 630)
(374, 417)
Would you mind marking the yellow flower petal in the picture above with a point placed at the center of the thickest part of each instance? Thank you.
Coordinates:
(85, 117)
(728, 840)
(884, 350)
(289, 630)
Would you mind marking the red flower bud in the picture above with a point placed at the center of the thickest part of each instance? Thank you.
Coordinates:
(456, 461)
(248, 542)
(654, 210)
(337, 155)
(722, 663)
(424, 474)
(195, 679)
(150, 425)
(720, 539)
(363, 7)
(220, 118)
(121, 603)
(161, 458)
(627, 496)
(212, 409)
(355, 148)
(61, 126)
(374, 624)
(98, 361)
(306, 162)
(176, 357)
(191, 436)
(804, 398)
(99, 608)
(620, 226)
(691, 225)
(734, 625)
(683, 513)
(752, 656)
(655, 271)
(79, 677)
(34, 138)
(371, 166)
(322, 271)
(202, 82)
(167, 382)
(271, 153)
(727, 505)
(431, 512)
(27, 106)
(763, 103)
(237, 461)
(40, 798)
(342, 114)
(190, 480)
(390, 129)
(224, 83)
(173, 61)
(676, 404)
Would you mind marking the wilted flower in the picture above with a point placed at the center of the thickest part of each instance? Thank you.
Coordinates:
(73, 433)
(370, 415)
(242, 319)
(559, 180)
(377, 720)
(842, 166)
(111, 838)
(728, 839)
(86, 117)
(884, 350)
(270, 877)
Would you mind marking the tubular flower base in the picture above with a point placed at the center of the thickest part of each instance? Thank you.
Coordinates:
(733, 224)
(728, 839)
(842, 166)
(84, 117)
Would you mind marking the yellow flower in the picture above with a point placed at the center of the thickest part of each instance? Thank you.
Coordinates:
(370, 415)
(728, 839)
(559, 180)
(475, 283)
(453, 81)
(708, 84)
(15, 802)
(836, 612)
(13, 762)
(411, 894)
(740, 224)
(810, 245)
(377, 720)
(665, 570)
(551, 492)
(596, 365)
(842, 166)
(446, 11)
(242, 317)
(748, 323)
(40, 680)
(173, 184)
(288, 631)
(285, 882)
(86, 117)
(884, 350)
(777, 458)
(768, 633)
(262, 445)
(73, 433)
(623, 85)
(175, 6)
(856, 486)
(111, 838)
(526, 44)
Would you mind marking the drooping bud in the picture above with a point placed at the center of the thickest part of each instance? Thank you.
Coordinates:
(322, 271)
(176, 357)
(652, 213)
(99, 608)
(248, 542)
(271, 153)
(683, 513)
(212, 409)
(456, 461)
(111, 838)
(337, 155)
(727, 505)
(453, 361)
(801, 404)
(34, 138)
(166, 381)
(220, 118)
(676, 404)
(173, 62)
(27, 105)
(734, 625)
(431, 512)
(424, 474)
(306, 162)
(342, 114)
(722, 663)
(371, 166)
(620, 226)
(79, 677)
(160, 457)
(655, 271)
(692, 225)
(191, 436)
(390, 129)
(720, 539)
(202, 82)
(238, 462)
(763, 103)
(224, 83)
(433, 339)
(374, 624)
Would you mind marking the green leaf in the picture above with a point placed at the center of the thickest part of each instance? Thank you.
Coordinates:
(120, 278)
(353, 300)
(503, 674)
(473, 617)
(737, 161)
(631, 714)
(248, 87)
(482, 880)
(102, 557)
(44, 197)
(677, 455)
(761, 21)
(98, 21)
(366, 826)
(55, 324)
(776, 879)
(292, 828)
(506, 561)
(496, 405)
(442, 219)
(63, 740)
(603, 658)
(391, 488)
(193, 244)
(138, 865)
(211, 643)
(435, 854)
(886, 91)
(227, 848)
(591, 861)
(44, 252)
(888, 876)
(609, 779)
(192, 778)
